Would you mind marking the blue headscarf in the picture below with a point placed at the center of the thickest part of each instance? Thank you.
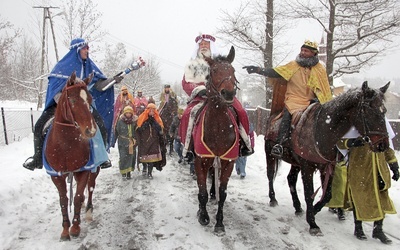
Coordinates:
(103, 101)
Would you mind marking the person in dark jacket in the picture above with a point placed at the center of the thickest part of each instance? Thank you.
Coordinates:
(150, 138)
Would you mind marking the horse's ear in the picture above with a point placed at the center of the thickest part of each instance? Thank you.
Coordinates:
(71, 78)
(231, 55)
(384, 88)
(88, 79)
(364, 86)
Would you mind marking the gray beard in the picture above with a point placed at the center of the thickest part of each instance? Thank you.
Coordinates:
(207, 54)
(307, 62)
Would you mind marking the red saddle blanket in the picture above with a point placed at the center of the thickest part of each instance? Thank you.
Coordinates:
(201, 148)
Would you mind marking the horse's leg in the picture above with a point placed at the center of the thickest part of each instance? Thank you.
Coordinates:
(307, 174)
(81, 179)
(328, 194)
(59, 182)
(91, 184)
(201, 172)
(226, 171)
(211, 173)
(272, 165)
(292, 181)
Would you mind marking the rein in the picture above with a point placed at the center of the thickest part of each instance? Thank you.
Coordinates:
(215, 87)
(366, 131)
(68, 107)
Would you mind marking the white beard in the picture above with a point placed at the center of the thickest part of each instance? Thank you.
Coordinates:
(205, 52)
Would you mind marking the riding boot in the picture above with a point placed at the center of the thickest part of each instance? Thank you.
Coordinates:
(377, 232)
(277, 149)
(358, 229)
(103, 130)
(36, 161)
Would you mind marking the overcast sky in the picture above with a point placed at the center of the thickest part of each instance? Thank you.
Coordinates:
(166, 30)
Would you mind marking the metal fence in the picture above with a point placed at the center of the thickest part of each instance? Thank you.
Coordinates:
(16, 124)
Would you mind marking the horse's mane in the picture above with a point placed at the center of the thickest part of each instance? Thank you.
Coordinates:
(221, 58)
(349, 98)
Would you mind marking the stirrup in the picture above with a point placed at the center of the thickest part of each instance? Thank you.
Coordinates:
(106, 164)
(33, 164)
(277, 151)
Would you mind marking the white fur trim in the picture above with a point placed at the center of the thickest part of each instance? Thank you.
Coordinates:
(197, 70)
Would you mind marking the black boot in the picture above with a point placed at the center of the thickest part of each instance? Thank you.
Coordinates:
(38, 139)
(358, 230)
(277, 149)
(377, 233)
(340, 213)
(189, 158)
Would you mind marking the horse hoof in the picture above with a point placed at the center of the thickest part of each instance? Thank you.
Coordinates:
(203, 218)
(299, 212)
(74, 231)
(220, 230)
(316, 232)
(65, 238)
(273, 203)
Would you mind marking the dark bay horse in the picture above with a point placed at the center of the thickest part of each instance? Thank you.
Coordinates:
(313, 142)
(167, 114)
(68, 147)
(216, 136)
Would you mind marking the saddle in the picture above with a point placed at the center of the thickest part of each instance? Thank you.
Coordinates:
(302, 133)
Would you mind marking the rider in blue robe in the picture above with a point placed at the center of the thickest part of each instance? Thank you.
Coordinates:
(77, 59)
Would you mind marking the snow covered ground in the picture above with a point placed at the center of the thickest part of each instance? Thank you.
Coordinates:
(161, 213)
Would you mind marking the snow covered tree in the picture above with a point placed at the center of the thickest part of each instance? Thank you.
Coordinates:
(358, 32)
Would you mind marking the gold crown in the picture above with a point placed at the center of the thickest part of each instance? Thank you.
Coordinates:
(311, 44)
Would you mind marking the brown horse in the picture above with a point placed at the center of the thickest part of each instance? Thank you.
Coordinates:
(167, 114)
(68, 147)
(216, 135)
(313, 142)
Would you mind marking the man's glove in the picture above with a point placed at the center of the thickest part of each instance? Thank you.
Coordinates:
(118, 79)
(356, 142)
(395, 169)
(252, 69)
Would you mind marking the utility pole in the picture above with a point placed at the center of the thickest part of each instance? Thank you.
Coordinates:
(46, 14)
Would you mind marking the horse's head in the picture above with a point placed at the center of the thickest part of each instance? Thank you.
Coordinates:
(222, 80)
(75, 105)
(371, 121)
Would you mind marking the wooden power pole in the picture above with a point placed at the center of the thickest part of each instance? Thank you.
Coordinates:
(46, 14)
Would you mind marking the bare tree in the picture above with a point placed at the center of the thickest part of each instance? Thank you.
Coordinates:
(81, 19)
(253, 28)
(146, 79)
(25, 71)
(8, 38)
(357, 32)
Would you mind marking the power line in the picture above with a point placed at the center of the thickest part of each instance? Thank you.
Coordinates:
(165, 61)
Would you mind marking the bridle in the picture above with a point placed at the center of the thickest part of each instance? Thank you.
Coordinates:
(366, 132)
(68, 108)
(215, 87)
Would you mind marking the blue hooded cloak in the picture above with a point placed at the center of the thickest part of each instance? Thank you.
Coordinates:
(103, 101)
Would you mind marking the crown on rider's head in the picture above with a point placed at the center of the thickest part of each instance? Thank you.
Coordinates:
(313, 46)
(204, 37)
